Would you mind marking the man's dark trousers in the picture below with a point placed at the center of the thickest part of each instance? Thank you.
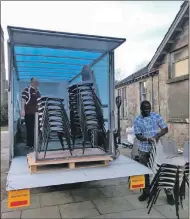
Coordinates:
(30, 120)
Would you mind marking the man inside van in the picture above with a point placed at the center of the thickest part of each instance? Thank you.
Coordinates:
(146, 129)
(30, 95)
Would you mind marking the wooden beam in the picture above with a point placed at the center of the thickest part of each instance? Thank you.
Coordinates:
(163, 53)
(170, 41)
(178, 29)
(157, 63)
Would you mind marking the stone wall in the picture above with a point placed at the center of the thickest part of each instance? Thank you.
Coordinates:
(163, 91)
(179, 132)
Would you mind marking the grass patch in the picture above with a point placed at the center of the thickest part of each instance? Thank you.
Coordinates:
(4, 128)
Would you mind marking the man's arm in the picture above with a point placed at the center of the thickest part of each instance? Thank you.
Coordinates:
(25, 98)
(163, 132)
(163, 127)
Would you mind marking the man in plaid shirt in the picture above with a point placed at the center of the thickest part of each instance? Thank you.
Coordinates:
(149, 127)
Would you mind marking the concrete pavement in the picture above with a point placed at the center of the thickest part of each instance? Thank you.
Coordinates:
(4, 162)
(100, 199)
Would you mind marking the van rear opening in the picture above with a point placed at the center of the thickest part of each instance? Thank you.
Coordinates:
(58, 60)
(55, 85)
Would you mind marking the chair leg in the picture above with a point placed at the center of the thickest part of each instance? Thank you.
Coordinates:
(61, 140)
(73, 140)
(154, 198)
(155, 178)
(186, 179)
(40, 143)
(182, 192)
(152, 195)
(83, 146)
(69, 144)
(157, 196)
(44, 143)
(181, 201)
(177, 194)
(46, 146)
(90, 136)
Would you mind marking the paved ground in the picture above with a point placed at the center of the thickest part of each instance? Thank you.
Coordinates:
(4, 162)
(101, 199)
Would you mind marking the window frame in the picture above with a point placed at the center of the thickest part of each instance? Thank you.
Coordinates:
(140, 89)
(172, 62)
(119, 92)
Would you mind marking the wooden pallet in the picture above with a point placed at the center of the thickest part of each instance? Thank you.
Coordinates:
(66, 162)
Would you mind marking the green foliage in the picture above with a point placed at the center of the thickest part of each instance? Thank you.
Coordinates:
(4, 113)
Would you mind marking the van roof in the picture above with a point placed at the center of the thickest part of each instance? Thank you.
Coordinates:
(53, 55)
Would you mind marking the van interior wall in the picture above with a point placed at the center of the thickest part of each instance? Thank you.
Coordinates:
(59, 89)
(101, 75)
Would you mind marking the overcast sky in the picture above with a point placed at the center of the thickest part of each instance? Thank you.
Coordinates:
(142, 23)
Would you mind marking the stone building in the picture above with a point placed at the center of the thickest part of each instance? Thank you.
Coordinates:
(164, 82)
(3, 73)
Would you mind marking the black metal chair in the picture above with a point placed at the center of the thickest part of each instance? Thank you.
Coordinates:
(185, 180)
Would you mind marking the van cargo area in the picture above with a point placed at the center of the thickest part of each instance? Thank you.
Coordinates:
(61, 61)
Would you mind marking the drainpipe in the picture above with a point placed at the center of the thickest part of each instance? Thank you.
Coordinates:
(158, 93)
(152, 95)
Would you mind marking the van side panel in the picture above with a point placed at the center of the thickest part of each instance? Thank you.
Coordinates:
(16, 106)
(10, 102)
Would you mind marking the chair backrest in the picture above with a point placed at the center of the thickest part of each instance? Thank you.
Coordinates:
(186, 151)
(170, 148)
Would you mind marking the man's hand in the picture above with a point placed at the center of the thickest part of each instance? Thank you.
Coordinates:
(156, 138)
(23, 113)
(151, 140)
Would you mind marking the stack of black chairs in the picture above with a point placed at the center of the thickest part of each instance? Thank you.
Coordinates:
(185, 181)
(167, 174)
(86, 116)
(76, 131)
(53, 123)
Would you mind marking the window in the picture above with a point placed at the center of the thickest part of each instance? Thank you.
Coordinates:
(179, 63)
(143, 90)
(178, 102)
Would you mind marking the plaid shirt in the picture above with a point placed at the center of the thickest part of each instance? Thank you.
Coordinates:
(149, 127)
